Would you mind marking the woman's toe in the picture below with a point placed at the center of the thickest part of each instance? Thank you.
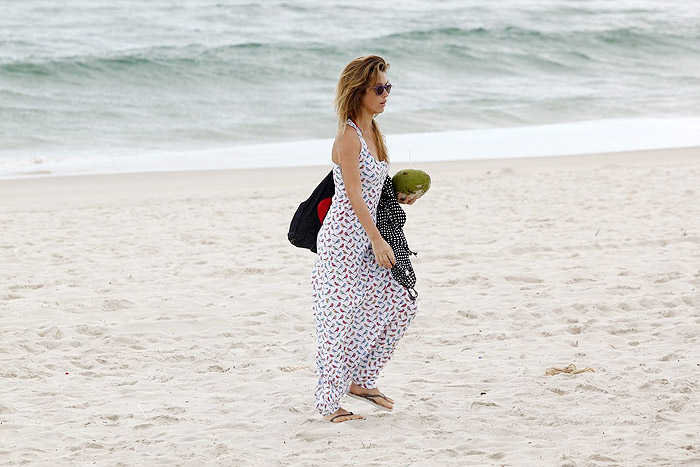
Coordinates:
(387, 399)
(348, 417)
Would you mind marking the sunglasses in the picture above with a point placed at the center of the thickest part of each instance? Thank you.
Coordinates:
(380, 89)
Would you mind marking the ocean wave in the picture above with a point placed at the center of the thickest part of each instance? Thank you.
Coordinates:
(623, 36)
(235, 60)
(443, 44)
(160, 54)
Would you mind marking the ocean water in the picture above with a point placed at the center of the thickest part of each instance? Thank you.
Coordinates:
(91, 85)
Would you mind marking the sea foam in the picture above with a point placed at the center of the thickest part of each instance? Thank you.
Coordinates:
(588, 137)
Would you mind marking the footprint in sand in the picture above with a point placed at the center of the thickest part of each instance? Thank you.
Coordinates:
(25, 286)
(527, 280)
(116, 304)
(53, 332)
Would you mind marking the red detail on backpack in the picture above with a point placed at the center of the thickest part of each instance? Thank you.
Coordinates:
(323, 207)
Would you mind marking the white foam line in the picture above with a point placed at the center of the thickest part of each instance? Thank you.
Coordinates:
(589, 137)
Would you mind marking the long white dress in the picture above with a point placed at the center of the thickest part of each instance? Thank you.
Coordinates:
(360, 311)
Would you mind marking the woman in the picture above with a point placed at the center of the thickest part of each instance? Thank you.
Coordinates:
(360, 311)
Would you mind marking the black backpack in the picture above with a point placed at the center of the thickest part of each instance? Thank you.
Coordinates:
(309, 216)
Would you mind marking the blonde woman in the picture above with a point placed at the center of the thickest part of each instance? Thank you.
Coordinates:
(360, 311)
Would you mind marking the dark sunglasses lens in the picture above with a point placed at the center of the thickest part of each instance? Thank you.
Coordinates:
(380, 90)
(388, 88)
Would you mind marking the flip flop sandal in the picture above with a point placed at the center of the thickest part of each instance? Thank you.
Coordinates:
(370, 398)
(341, 415)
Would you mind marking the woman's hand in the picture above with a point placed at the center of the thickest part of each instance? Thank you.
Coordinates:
(407, 199)
(383, 253)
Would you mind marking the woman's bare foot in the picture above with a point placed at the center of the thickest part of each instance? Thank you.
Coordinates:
(342, 415)
(359, 390)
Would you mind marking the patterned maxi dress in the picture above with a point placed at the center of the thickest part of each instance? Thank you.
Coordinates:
(360, 311)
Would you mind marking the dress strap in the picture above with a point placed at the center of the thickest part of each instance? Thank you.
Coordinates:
(352, 124)
(359, 133)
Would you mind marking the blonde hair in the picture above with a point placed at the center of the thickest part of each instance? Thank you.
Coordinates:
(357, 76)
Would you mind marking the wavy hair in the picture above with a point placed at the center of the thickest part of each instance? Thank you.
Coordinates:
(357, 76)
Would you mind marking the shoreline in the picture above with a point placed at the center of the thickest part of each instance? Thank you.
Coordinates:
(73, 189)
(555, 139)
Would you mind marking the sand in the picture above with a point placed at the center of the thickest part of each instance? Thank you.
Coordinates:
(164, 319)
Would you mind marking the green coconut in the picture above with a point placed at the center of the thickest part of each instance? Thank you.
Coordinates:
(411, 182)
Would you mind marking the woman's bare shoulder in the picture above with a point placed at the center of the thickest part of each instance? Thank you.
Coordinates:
(347, 136)
(346, 142)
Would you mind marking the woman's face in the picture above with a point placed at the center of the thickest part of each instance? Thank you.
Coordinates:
(372, 102)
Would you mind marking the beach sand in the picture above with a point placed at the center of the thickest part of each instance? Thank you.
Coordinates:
(164, 319)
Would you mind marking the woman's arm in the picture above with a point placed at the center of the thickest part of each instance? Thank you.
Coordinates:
(347, 149)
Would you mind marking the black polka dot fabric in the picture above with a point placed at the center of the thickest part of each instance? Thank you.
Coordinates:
(390, 221)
